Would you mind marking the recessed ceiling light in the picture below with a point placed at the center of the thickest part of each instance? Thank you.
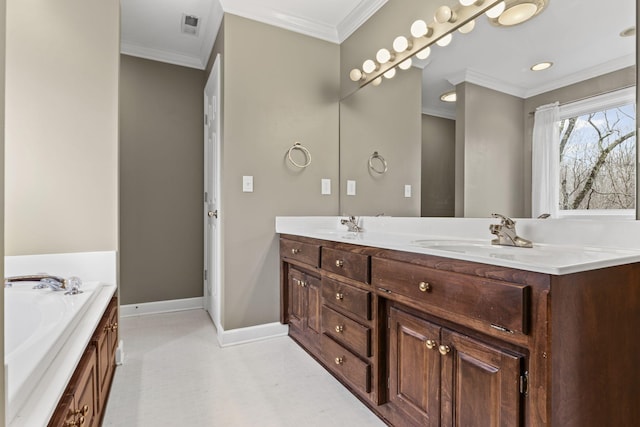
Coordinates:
(628, 32)
(518, 11)
(541, 66)
(448, 96)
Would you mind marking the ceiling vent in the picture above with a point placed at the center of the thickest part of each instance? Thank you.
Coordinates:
(190, 24)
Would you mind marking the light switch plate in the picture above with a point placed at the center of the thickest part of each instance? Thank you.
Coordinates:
(247, 184)
(407, 191)
(351, 188)
(325, 186)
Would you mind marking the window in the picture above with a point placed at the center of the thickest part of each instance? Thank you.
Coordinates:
(595, 164)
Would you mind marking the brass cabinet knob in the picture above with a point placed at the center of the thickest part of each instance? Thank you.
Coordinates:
(295, 251)
(81, 420)
(339, 263)
(444, 349)
(303, 283)
(424, 286)
(339, 360)
(339, 329)
(114, 327)
(339, 296)
(85, 410)
(431, 344)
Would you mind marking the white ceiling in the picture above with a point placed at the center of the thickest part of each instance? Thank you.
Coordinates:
(581, 37)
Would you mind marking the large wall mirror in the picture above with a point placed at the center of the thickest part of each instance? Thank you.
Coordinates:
(472, 157)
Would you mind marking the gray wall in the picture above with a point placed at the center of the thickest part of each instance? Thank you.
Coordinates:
(161, 181)
(490, 138)
(278, 87)
(585, 89)
(438, 166)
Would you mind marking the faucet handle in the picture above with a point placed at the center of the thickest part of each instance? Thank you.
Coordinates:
(506, 221)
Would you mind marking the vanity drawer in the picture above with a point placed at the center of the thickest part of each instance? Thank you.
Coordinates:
(347, 297)
(349, 366)
(303, 252)
(346, 331)
(502, 304)
(348, 264)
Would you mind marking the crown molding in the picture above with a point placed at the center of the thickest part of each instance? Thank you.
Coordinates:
(162, 55)
(586, 74)
(445, 114)
(357, 17)
(472, 76)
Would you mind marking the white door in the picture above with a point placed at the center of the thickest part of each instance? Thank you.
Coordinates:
(212, 124)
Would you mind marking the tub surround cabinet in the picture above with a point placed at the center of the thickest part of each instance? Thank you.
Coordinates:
(425, 340)
(85, 397)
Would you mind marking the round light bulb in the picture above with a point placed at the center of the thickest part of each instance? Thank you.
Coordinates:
(400, 44)
(496, 10)
(444, 14)
(419, 28)
(406, 64)
(377, 81)
(444, 41)
(369, 66)
(468, 27)
(467, 2)
(424, 53)
(517, 14)
(448, 96)
(383, 56)
(390, 74)
(356, 75)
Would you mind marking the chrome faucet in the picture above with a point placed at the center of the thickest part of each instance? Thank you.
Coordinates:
(351, 223)
(506, 232)
(70, 285)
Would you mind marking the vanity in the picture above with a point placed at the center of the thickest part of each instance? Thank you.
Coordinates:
(428, 327)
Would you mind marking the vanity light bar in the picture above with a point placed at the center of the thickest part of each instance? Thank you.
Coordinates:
(446, 21)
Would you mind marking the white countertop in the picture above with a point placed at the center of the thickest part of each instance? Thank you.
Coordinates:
(560, 246)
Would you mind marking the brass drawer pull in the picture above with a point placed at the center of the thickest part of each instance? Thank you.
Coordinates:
(444, 349)
(303, 283)
(431, 344)
(339, 329)
(339, 296)
(295, 251)
(339, 263)
(424, 286)
(339, 360)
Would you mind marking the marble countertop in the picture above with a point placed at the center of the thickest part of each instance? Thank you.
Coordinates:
(560, 246)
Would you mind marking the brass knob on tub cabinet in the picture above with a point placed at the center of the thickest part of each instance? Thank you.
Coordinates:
(339, 263)
(444, 349)
(339, 360)
(424, 286)
(85, 410)
(114, 327)
(339, 296)
(431, 344)
(295, 251)
(339, 329)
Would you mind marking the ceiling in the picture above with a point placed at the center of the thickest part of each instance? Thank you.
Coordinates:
(581, 38)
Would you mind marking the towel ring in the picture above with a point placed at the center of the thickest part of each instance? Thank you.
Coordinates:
(307, 155)
(379, 170)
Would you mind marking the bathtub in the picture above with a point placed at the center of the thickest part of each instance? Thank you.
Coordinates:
(45, 335)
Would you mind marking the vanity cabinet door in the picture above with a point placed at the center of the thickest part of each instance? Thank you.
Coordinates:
(480, 384)
(414, 368)
(86, 393)
(296, 298)
(304, 307)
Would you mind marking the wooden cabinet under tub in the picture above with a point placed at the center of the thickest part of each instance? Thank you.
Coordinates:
(432, 341)
(85, 397)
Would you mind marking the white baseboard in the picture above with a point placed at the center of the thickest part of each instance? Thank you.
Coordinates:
(251, 334)
(157, 307)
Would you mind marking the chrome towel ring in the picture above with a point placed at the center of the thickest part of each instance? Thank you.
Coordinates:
(381, 163)
(307, 155)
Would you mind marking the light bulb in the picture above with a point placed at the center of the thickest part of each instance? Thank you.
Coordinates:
(369, 66)
(383, 56)
(467, 2)
(419, 28)
(424, 53)
(448, 96)
(406, 64)
(355, 75)
(468, 27)
(444, 41)
(496, 10)
(445, 14)
(390, 74)
(400, 44)
(518, 14)
(377, 81)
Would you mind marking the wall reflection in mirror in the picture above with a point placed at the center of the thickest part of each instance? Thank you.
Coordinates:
(472, 157)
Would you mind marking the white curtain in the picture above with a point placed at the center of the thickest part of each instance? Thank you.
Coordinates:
(545, 162)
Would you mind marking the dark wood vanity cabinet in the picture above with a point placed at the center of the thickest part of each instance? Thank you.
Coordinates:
(432, 341)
